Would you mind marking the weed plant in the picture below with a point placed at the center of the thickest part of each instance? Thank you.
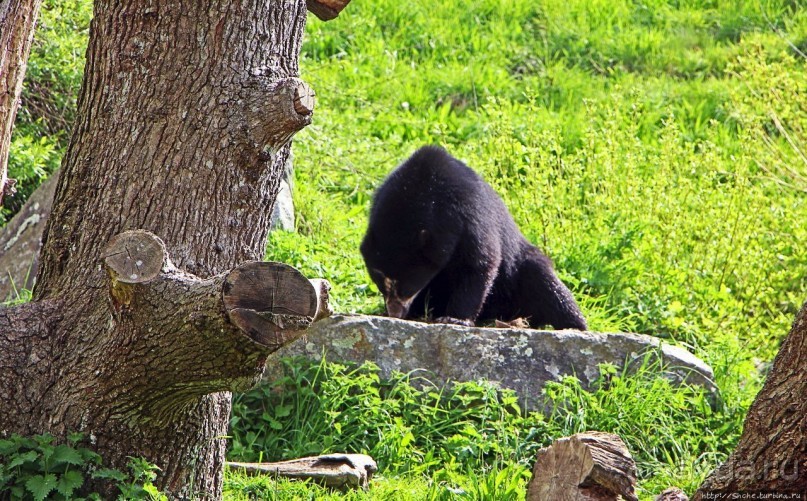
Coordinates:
(37, 468)
(473, 437)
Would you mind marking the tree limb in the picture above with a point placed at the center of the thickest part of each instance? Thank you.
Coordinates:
(199, 348)
(290, 102)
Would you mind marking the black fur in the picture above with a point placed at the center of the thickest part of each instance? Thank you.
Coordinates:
(440, 239)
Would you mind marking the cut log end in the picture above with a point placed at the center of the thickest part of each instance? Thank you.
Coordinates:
(304, 98)
(135, 256)
(592, 465)
(326, 10)
(323, 289)
(271, 302)
(332, 470)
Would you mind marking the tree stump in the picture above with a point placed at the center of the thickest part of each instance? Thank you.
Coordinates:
(589, 466)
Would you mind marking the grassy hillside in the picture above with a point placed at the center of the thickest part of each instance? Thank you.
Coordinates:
(655, 150)
(637, 143)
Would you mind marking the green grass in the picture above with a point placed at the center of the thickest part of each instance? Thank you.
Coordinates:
(654, 149)
(635, 142)
(474, 435)
(641, 168)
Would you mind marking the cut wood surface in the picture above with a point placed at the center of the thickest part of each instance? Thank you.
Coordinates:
(589, 466)
(304, 98)
(135, 256)
(268, 300)
(333, 470)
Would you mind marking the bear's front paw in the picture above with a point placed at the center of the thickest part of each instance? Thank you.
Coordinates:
(454, 321)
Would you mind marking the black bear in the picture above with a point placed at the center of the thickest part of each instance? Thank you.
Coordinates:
(441, 241)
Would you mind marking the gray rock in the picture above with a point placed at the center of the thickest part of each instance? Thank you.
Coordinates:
(283, 213)
(21, 239)
(519, 359)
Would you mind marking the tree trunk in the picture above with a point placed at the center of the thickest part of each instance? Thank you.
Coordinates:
(182, 130)
(771, 455)
(17, 23)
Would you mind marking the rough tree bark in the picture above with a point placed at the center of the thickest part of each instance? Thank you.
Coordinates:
(182, 130)
(771, 455)
(17, 22)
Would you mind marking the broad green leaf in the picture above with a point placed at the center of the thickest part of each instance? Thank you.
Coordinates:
(109, 474)
(28, 457)
(67, 454)
(41, 485)
(282, 411)
(69, 482)
(7, 447)
(46, 451)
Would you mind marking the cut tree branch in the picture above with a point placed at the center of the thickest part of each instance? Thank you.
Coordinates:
(290, 102)
(136, 257)
(270, 301)
(199, 347)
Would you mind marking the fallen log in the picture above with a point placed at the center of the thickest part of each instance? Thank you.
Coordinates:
(331, 470)
(589, 466)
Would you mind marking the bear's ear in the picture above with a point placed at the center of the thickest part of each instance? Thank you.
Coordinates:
(424, 238)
